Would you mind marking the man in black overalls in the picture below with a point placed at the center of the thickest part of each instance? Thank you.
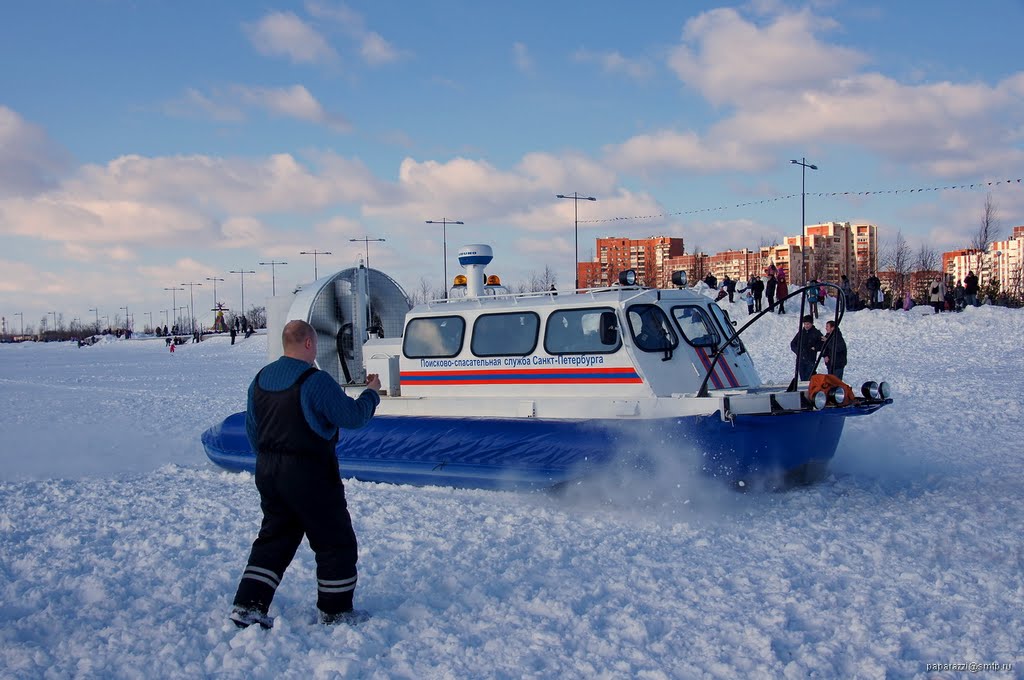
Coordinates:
(294, 412)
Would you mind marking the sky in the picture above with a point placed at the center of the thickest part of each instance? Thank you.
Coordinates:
(145, 145)
(121, 545)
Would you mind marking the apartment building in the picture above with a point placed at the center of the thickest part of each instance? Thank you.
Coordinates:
(828, 251)
(646, 256)
(1002, 262)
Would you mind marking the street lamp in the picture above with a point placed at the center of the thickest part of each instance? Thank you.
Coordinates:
(576, 198)
(22, 315)
(150, 314)
(314, 253)
(54, 320)
(273, 277)
(444, 246)
(242, 273)
(192, 303)
(366, 244)
(127, 323)
(215, 280)
(803, 198)
(174, 303)
(97, 310)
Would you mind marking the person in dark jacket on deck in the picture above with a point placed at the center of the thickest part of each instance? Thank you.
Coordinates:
(292, 420)
(834, 341)
(806, 344)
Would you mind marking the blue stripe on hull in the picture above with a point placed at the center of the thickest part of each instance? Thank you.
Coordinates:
(509, 453)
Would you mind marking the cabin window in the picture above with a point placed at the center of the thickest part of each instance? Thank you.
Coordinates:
(434, 336)
(505, 334)
(578, 331)
(696, 326)
(651, 329)
(727, 326)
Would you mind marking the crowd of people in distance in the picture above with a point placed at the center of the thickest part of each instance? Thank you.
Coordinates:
(942, 294)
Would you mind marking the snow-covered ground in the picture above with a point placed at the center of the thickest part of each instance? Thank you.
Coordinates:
(120, 546)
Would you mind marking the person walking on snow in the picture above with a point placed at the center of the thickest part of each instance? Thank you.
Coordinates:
(781, 291)
(292, 420)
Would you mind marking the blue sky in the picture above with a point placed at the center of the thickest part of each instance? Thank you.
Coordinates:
(143, 144)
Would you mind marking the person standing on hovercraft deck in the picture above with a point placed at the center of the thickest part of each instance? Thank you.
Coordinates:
(292, 420)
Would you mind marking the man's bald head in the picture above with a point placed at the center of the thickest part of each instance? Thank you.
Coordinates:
(299, 340)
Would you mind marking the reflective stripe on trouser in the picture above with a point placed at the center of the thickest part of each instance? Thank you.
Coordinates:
(301, 496)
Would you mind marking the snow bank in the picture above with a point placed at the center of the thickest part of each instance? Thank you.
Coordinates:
(120, 547)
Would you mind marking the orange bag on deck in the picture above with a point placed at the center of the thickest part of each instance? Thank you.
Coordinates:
(821, 382)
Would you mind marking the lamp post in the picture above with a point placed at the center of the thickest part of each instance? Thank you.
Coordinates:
(242, 273)
(22, 315)
(174, 303)
(150, 314)
(97, 310)
(54, 320)
(127, 325)
(576, 198)
(273, 276)
(444, 222)
(804, 165)
(314, 253)
(215, 280)
(191, 301)
(366, 245)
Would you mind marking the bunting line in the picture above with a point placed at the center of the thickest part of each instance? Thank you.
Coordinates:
(954, 187)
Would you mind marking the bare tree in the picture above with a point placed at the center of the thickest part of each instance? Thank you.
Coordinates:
(538, 282)
(548, 278)
(258, 316)
(988, 230)
(1015, 285)
(927, 258)
(423, 292)
(898, 259)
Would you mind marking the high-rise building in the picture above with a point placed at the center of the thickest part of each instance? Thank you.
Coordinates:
(1002, 262)
(646, 256)
(829, 250)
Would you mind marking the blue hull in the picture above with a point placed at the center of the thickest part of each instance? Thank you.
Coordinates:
(508, 453)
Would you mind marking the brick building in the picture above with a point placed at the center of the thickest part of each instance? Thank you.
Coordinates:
(646, 256)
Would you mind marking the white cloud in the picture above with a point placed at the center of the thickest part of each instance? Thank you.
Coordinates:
(731, 60)
(521, 57)
(786, 88)
(214, 106)
(293, 102)
(284, 34)
(483, 191)
(682, 151)
(946, 129)
(137, 200)
(29, 161)
(80, 252)
(614, 63)
(229, 104)
(373, 48)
